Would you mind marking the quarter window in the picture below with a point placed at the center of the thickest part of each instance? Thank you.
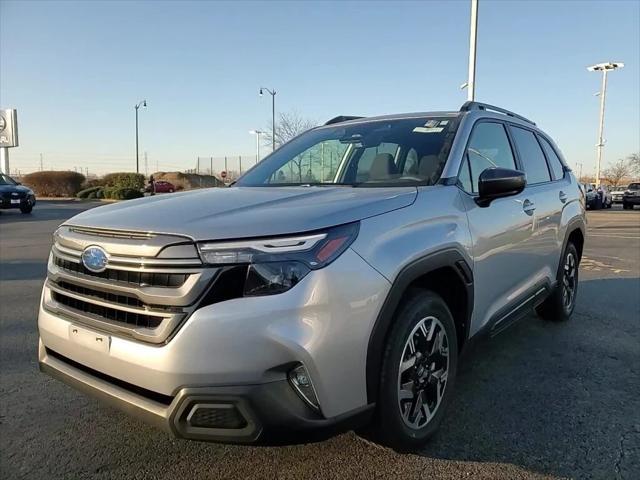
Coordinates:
(533, 161)
(554, 161)
(488, 148)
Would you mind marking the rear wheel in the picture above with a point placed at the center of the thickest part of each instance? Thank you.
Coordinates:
(418, 372)
(559, 306)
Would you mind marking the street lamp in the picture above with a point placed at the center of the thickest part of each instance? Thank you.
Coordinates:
(473, 38)
(257, 133)
(273, 115)
(604, 68)
(142, 103)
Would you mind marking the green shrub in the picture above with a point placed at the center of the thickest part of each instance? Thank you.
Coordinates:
(124, 180)
(88, 192)
(117, 193)
(54, 184)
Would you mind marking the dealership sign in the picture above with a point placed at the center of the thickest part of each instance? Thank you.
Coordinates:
(8, 128)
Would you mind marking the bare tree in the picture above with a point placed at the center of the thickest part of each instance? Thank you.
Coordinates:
(617, 172)
(634, 162)
(288, 126)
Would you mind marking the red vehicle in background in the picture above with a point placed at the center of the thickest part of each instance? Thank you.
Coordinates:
(161, 186)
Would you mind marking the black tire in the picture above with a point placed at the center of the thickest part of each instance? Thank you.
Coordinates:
(26, 209)
(555, 308)
(388, 426)
(625, 206)
(171, 190)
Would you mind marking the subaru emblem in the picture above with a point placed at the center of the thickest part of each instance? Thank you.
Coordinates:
(95, 259)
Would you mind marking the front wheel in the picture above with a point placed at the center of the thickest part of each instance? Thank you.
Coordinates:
(26, 209)
(559, 306)
(418, 372)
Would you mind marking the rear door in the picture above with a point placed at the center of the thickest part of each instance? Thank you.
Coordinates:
(547, 198)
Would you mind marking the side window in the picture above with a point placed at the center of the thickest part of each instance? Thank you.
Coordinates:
(489, 147)
(533, 161)
(554, 161)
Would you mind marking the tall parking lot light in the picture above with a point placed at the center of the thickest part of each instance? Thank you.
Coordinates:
(604, 68)
(273, 115)
(257, 133)
(142, 103)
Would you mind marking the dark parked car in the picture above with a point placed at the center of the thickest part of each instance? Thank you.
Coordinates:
(631, 196)
(14, 195)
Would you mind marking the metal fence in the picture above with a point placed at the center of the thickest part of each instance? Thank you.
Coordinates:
(234, 165)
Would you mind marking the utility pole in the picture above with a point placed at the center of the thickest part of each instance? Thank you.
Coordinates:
(146, 165)
(473, 37)
(41, 163)
(604, 68)
(211, 166)
(240, 162)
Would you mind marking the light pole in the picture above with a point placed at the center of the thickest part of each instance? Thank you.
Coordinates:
(273, 115)
(257, 133)
(473, 37)
(144, 104)
(604, 68)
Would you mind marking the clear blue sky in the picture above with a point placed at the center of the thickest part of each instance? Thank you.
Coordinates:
(74, 71)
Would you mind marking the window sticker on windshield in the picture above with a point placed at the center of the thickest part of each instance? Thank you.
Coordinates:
(428, 129)
(431, 123)
(444, 122)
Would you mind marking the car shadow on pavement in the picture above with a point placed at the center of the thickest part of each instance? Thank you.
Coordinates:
(23, 270)
(555, 398)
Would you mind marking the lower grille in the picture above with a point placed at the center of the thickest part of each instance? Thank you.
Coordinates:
(115, 315)
(216, 416)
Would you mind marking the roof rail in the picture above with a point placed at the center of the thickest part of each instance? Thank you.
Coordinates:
(341, 118)
(468, 106)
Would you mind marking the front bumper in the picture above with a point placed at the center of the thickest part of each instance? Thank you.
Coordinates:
(271, 413)
(238, 351)
(631, 199)
(5, 203)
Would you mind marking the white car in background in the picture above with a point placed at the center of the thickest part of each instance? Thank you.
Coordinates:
(616, 195)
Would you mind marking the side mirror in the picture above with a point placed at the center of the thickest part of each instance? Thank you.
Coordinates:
(499, 182)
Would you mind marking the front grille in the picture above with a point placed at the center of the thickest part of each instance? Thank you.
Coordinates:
(108, 313)
(144, 294)
(152, 279)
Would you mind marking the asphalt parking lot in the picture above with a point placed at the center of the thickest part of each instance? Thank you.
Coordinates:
(539, 401)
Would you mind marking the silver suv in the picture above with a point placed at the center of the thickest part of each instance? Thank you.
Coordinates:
(334, 286)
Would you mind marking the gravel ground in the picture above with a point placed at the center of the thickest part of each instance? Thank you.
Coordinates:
(539, 401)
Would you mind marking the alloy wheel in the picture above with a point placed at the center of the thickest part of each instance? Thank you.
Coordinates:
(424, 367)
(569, 282)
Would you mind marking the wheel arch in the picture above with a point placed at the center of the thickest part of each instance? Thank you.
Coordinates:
(445, 272)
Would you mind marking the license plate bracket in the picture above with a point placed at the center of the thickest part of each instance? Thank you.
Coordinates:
(90, 339)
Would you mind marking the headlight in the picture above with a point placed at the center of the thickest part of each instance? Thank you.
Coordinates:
(274, 265)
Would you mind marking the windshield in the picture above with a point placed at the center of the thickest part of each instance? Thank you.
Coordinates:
(376, 153)
(6, 180)
(634, 186)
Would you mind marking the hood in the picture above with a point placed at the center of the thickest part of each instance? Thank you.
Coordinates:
(237, 212)
(14, 188)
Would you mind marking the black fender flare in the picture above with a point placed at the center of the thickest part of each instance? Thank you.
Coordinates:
(450, 257)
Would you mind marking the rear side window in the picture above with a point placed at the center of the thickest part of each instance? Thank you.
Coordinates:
(554, 161)
(535, 165)
(488, 148)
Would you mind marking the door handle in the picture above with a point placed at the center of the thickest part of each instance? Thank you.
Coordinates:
(528, 207)
(563, 196)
